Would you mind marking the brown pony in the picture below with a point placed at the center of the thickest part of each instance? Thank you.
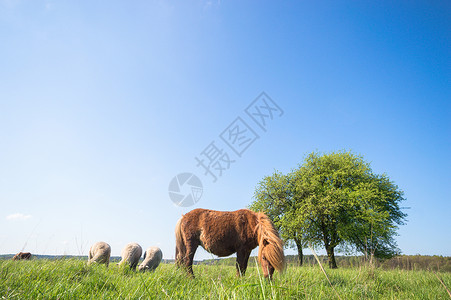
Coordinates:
(224, 233)
(22, 255)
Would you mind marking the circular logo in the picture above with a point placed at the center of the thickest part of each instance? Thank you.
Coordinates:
(185, 189)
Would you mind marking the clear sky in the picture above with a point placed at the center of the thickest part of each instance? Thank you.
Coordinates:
(102, 103)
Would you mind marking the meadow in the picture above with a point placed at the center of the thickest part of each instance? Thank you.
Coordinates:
(73, 279)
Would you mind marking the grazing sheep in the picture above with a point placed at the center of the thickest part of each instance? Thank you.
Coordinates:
(22, 255)
(152, 258)
(100, 253)
(131, 254)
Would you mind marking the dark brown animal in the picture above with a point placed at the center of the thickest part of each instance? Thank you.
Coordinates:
(224, 233)
(22, 255)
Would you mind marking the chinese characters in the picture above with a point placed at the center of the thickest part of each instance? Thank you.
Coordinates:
(237, 137)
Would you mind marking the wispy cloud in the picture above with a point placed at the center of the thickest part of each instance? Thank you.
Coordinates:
(18, 216)
(49, 5)
(10, 3)
(210, 3)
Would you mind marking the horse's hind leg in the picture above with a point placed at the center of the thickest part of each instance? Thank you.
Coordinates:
(242, 257)
(191, 248)
(181, 256)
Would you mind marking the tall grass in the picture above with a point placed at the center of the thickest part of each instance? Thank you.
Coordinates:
(73, 279)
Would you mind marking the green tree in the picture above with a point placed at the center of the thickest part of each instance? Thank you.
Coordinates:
(335, 200)
(275, 196)
(376, 219)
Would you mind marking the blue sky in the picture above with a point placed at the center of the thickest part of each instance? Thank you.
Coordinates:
(103, 103)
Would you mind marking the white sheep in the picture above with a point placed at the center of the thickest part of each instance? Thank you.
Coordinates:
(100, 253)
(152, 258)
(131, 255)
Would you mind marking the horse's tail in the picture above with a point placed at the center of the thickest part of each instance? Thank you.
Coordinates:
(180, 248)
(268, 238)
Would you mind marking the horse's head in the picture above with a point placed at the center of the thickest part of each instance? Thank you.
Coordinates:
(270, 247)
(264, 257)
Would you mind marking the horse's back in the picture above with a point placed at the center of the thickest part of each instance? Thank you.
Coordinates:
(212, 220)
(221, 232)
(208, 215)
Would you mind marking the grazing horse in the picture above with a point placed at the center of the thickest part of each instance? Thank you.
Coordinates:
(152, 258)
(22, 255)
(100, 253)
(224, 233)
(131, 255)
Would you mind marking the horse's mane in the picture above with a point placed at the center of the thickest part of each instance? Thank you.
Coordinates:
(274, 247)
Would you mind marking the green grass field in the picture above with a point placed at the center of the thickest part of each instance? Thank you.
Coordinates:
(73, 279)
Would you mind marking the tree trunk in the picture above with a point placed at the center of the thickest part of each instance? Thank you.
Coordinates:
(331, 257)
(300, 254)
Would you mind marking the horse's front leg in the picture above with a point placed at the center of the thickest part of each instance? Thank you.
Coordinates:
(242, 257)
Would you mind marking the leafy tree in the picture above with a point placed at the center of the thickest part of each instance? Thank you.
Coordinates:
(275, 196)
(376, 221)
(335, 200)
